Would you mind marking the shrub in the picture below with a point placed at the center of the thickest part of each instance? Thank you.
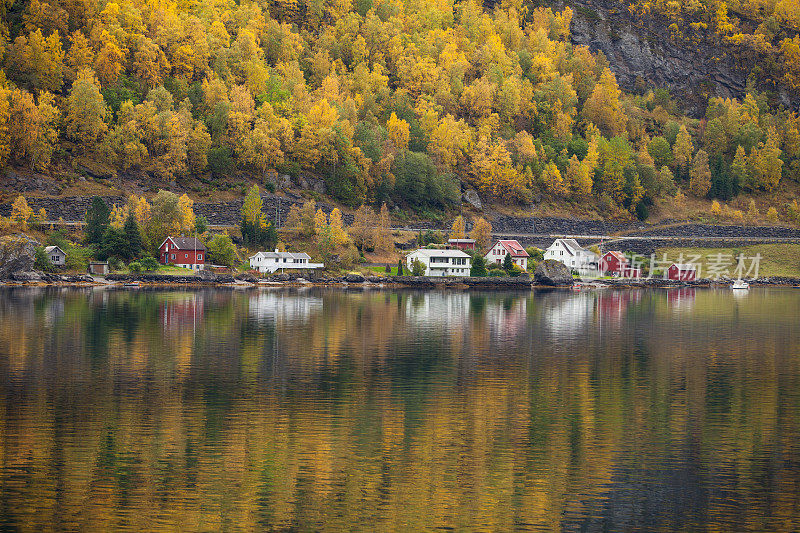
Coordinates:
(417, 268)
(135, 266)
(495, 269)
(716, 210)
(772, 214)
(149, 263)
(508, 264)
(41, 261)
(221, 250)
(115, 263)
(201, 224)
(478, 266)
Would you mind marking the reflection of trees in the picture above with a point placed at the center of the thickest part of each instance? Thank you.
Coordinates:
(349, 411)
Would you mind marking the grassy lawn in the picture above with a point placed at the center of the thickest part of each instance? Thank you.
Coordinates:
(168, 270)
(776, 259)
(381, 271)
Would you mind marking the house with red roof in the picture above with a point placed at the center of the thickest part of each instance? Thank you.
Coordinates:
(502, 248)
(186, 252)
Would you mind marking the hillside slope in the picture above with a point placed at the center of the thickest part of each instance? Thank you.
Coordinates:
(410, 103)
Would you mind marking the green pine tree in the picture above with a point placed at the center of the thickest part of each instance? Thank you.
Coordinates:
(133, 238)
(97, 218)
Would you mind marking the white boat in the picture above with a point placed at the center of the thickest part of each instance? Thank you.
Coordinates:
(740, 284)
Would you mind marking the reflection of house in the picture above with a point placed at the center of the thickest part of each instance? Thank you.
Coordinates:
(681, 299)
(274, 261)
(462, 244)
(270, 306)
(186, 252)
(502, 248)
(440, 263)
(56, 255)
(572, 254)
(179, 310)
(507, 317)
(682, 272)
(567, 315)
(448, 309)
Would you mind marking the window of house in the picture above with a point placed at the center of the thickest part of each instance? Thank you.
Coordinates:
(200, 257)
(172, 256)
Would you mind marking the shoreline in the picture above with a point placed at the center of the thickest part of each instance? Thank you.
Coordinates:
(245, 281)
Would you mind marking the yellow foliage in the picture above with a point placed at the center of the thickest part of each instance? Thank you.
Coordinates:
(21, 212)
(458, 229)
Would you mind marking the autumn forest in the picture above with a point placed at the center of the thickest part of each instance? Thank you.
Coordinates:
(407, 102)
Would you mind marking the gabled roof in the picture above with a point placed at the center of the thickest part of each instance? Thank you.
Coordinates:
(439, 252)
(186, 243)
(684, 266)
(281, 255)
(514, 248)
(572, 245)
(49, 249)
(461, 241)
(619, 255)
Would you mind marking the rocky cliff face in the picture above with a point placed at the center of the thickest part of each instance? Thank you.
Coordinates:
(16, 254)
(643, 50)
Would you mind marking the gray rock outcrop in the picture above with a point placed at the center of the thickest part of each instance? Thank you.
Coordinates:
(206, 275)
(471, 197)
(28, 277)
(553, 273)
(16, 254)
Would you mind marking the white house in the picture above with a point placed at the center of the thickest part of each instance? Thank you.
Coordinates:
(572, 254)
(441, 262)
(273, 261)
(502, 248)
(56, 255)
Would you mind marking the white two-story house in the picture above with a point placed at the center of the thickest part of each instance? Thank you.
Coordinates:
(441, 262)
(502, 248)
(572, 254)
(273, 261)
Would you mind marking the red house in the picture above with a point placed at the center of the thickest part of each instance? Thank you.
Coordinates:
(682, 272)
(462, 244)
(613, 263)
(186, 252)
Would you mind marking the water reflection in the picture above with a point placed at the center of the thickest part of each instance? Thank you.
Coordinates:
(337, 410)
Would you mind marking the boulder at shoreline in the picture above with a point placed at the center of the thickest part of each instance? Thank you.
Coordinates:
(552, 273)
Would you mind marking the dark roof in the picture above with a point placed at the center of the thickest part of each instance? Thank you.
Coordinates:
(188, 243)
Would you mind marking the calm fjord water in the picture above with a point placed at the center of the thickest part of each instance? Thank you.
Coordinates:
(399, 411)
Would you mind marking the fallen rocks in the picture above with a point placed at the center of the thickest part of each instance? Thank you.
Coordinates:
(354, 278)
(246, 276)
(27, 277)
(206, 275)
